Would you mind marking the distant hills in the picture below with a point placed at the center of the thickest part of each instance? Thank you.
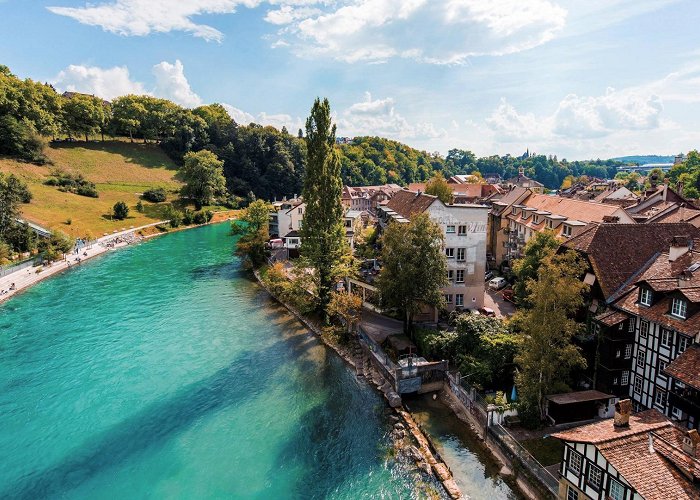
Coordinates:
(643, 159)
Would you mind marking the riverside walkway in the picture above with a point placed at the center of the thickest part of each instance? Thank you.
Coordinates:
(26, 277)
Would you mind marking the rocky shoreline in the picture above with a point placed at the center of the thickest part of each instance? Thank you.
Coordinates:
(410, 442)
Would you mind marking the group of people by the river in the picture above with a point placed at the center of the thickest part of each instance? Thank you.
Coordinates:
(128, 238)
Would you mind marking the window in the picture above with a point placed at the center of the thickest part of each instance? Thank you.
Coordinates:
(645, 296)
(300, 210)
(679, 307)
(643, 329)
(595, 476)
(660, 398)
(625, 377)
(638, 384)
(628, 351)
(459, 299)
(615, 490)
(615, 380)
(682, 343)
(461, 253)
(450, 230)
(631, 327)
(676, 413)
(460, 275)
(617, 353)
(448, 298)
(662, 367)
(566, 231)
(571, 493)
(666, 336)
(462, 230)
(450, 275)
(575, 462)
(549, 224)
(535, 219)
(450, 253)
(641, 358)
(620, 326)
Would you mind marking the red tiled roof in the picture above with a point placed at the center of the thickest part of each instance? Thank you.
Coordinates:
(612, 317)
(686, 367)
(604, 430)
(584, 211)
(407, 203)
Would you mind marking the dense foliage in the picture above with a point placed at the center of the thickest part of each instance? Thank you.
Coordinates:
(258, 161)
(156, 195)
(253, 228)
(480, 347)
(72, 183)
(688, 174)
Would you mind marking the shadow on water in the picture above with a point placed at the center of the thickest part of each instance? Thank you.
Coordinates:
(155, 424)
(219, 271)
(336, 432)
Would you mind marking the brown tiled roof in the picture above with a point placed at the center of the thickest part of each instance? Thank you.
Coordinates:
(612, 317)
(407, 203)
(653, 472)
(658, 313)
(618, 251)
(686, 367)
(465, 190)
(679, 214)
(514, 195)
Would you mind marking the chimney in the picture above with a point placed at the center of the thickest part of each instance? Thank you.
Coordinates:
(690, 443)
(680, 245)
(623, 409)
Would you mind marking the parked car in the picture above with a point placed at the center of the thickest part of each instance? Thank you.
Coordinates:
(497, 283)
(508, 295)
(487, 311)
(488, 276)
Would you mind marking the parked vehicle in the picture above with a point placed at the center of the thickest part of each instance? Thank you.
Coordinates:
(487, 311)
(497, 283)
(488, 276)
(508, 295)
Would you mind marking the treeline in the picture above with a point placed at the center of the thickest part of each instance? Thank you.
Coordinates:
(259, 161)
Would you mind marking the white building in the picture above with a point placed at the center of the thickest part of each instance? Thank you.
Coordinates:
(464, 228)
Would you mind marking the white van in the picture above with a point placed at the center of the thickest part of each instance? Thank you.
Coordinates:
(497, 283)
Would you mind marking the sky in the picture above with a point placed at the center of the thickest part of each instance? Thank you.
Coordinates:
(577, 79)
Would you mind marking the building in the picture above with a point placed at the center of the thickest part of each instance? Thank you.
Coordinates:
(464, 228)
(352, 222)
(367, 198)
(629, 457)
(663, 306)
(663, 204)
(523, 181)
(564, 217)
(498, 225)
(465, 193)
(286, 220)
(610, 276)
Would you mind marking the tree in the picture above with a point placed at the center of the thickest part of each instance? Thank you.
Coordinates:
(12, 192)
(347, 307)
(203, 174)
(323, 234)
(253, 227)
(547, 354)
(438, 186)
(126, 115)
(120, 210)
(414, 267)
(83, 115)
(541, 245)
(55, 246)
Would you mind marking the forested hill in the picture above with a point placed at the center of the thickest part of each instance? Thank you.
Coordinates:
(644, 159)
(260, 161)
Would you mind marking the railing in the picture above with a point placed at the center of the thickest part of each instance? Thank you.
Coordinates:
(380, 359)
(511, 447)
(13, 268)
(468, 396)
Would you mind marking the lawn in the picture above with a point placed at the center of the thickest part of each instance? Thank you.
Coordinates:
(120, 170)
(547, 451)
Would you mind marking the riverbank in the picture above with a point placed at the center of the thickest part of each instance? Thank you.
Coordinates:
(410, 442)
(22, 279)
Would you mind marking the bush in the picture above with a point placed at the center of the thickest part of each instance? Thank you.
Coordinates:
(199, 218)
(72, 183)
(157, 195)
(209, 215)
(139, 207)
(120, 210)
(188, 217)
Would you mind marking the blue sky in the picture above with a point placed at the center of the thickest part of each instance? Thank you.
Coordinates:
(574, 78)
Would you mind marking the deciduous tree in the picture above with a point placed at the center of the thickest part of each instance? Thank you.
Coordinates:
(541, 245)
(254, 230)
(203, 174)
(414, 267)
(438, 186)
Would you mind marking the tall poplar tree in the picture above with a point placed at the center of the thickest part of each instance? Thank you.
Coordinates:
(323, 235)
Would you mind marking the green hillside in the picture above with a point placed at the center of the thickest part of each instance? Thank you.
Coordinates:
(120, 171)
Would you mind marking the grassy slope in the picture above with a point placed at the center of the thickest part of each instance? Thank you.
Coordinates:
(120, 170)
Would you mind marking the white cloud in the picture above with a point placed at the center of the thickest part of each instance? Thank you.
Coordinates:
(274, 120)
(435, 31)
(379, 117)
(106, 83)
(172, 84)
(143, 17)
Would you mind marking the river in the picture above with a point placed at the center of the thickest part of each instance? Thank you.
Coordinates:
(161, 371)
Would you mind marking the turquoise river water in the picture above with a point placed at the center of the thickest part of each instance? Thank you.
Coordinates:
(161, 371)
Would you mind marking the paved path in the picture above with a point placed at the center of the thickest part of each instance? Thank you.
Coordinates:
(379, 327)
(494, 300)
(24, 278)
